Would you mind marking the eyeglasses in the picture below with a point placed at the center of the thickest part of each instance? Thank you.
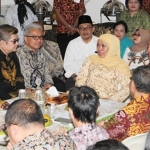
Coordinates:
(15, 41)
(36, 37)
(85, 28)
(136, 34)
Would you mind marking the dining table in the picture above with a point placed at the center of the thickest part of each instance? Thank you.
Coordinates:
(106, 111)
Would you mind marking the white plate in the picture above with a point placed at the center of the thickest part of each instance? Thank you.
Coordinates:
(109, 107)
(136, 142)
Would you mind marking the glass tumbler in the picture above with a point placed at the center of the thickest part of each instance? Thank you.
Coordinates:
(22, 93)
(39, 100)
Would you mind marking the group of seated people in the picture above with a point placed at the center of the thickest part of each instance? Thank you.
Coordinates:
(24, 120)
(108, 67)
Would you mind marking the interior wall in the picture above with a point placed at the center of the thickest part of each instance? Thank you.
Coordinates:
(92, 8)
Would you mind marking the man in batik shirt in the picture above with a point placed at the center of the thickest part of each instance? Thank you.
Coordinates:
(25, 127)
(134, 118)
(35, 65)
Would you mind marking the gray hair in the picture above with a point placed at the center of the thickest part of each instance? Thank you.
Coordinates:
(31, 26)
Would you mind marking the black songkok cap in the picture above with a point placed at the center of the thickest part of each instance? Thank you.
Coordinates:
(84, 19)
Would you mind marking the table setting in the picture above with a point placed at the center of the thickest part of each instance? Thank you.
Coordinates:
(59, 114)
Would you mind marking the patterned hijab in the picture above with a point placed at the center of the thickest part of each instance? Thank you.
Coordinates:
(142, 45)
(112, 58)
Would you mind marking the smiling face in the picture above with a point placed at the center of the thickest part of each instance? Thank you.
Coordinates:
(119, 31)
(86, 30)
(133, 5)
(102, 48)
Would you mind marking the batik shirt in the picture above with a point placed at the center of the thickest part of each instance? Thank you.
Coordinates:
(52, 52)
(34, 67)
(69, 10)
(140, 20)
(133, 119)
(11, 79)
(44, 140)
(87, 135)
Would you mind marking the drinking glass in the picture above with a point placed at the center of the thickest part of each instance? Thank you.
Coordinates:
(39, 100)
(22, 93)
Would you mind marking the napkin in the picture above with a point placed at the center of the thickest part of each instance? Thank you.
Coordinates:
(52, 91)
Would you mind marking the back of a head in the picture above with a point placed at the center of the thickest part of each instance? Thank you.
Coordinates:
(6, 31)
(24, 112)
(141, 78)
(84, 102)
(109, 144)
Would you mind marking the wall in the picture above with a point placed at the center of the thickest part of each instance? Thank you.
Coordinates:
(92, 8)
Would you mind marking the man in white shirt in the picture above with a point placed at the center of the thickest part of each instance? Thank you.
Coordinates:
(79, 49)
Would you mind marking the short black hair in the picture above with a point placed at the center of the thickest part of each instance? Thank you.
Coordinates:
(84, 102)
(23, 112)
(141, 78)
(6, 31)
(109, 144)
(121, 22)
(140, 1)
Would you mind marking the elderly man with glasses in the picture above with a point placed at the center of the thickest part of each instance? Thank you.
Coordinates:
(35, 65)
(11, 79)
(79, 49)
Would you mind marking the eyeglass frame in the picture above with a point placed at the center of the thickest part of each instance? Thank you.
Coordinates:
(15, 41)
(36, 37)
(137, 35)
(85, 28)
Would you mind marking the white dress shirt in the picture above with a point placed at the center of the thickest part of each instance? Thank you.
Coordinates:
(76, 53)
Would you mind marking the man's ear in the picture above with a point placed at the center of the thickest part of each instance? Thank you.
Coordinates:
(14, 129)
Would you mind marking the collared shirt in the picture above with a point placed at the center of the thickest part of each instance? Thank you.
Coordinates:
(140, 20)
(52, 52)
(76, 53)
(44, 140)
(34, 67)
(69, 10)
(12, 19)
(11, 79)
(87, 135)
(131, 120)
